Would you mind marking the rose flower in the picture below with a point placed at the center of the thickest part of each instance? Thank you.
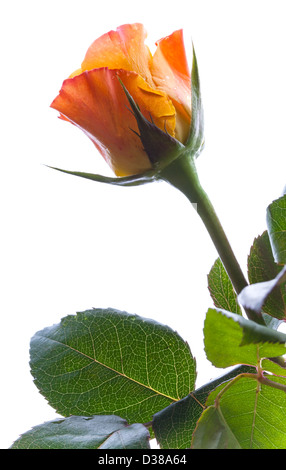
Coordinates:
(93, 98)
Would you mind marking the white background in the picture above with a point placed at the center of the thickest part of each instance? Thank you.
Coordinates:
(68, 244)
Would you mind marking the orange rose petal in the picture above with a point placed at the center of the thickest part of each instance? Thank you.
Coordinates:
(171, 74)
(96, 103)
(173, 49)
(121, 49)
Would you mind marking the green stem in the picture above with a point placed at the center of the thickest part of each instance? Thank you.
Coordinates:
(273, 384)
(182, 174)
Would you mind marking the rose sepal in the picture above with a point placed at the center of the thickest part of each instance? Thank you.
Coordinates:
(134, 180)
(195, 140)
(160, 146)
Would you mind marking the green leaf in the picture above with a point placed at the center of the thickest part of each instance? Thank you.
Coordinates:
(134, 180)
(276, 366)
(78, 432)
(262, 268)
(104, 361)
(213, 432)
(276, 223)
(221, 289)
(255, 296)
(230, 339)
(174, 425)
(255, 413)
